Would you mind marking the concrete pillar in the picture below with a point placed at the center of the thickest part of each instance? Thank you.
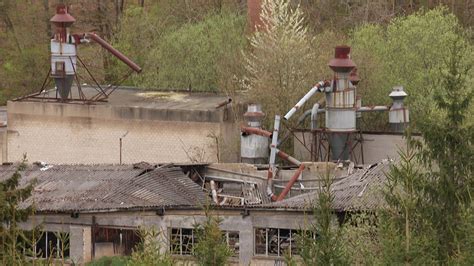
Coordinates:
(80, 239)
(246, 242)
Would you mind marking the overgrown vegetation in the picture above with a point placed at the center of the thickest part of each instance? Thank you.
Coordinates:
(149, 251)
(321, 242)
(428, 217)
(211, 247)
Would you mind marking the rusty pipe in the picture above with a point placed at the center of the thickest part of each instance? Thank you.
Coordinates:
(226, 102)
(287, 157)
(256, 131)
(290, 183)
(114, 51)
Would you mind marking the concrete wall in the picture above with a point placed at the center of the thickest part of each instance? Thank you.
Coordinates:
(80, 234)
(375, 146)
(76, 133)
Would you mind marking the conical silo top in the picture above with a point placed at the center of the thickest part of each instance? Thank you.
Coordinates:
(342, 61)
(62, 15)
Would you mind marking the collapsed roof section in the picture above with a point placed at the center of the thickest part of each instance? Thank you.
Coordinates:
(111, 188)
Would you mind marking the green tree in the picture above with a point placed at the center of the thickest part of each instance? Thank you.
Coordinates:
(446, 150)
(406, 235)
(11, 195)
(321, 243)
(149, 251)
(211, 247)
(409, 51)
(177, 53)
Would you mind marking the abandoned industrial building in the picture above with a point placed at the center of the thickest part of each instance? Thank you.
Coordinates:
(108, 161)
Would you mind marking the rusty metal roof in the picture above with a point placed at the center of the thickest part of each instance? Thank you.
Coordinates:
(360, 191)
(68, 188)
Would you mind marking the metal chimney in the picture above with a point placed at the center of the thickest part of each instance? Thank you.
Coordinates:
(63, 52)
(341, 104)
(398, 116)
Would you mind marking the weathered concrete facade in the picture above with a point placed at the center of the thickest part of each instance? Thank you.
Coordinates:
(232, 220)
(168, 130)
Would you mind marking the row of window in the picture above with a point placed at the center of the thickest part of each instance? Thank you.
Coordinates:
(268, 241)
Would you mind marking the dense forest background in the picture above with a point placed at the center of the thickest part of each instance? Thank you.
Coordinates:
(203, 45)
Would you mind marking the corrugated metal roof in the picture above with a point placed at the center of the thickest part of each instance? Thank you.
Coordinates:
(67, 188)
(359, 191)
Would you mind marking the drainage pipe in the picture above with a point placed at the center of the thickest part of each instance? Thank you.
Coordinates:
(290, 183)
(318, 87)
(372, 108)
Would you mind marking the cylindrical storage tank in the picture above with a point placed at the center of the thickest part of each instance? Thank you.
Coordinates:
(338, 119)
(254, 149)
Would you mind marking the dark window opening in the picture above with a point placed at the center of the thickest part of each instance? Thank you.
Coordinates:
(114, 241)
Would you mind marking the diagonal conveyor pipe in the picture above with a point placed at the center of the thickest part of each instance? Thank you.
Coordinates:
(114, 51)
(318, 87)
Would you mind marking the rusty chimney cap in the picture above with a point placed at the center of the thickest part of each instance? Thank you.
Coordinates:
(342, 61)
(62, 15)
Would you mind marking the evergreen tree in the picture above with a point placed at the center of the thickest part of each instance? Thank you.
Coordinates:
(405, 235)
(447, 152)
(149, 251)
(211, 247)
(11, 195)
(321, 243)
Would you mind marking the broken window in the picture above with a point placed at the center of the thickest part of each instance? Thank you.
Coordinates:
(182, 241)
(232, 239)
(275, 241)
